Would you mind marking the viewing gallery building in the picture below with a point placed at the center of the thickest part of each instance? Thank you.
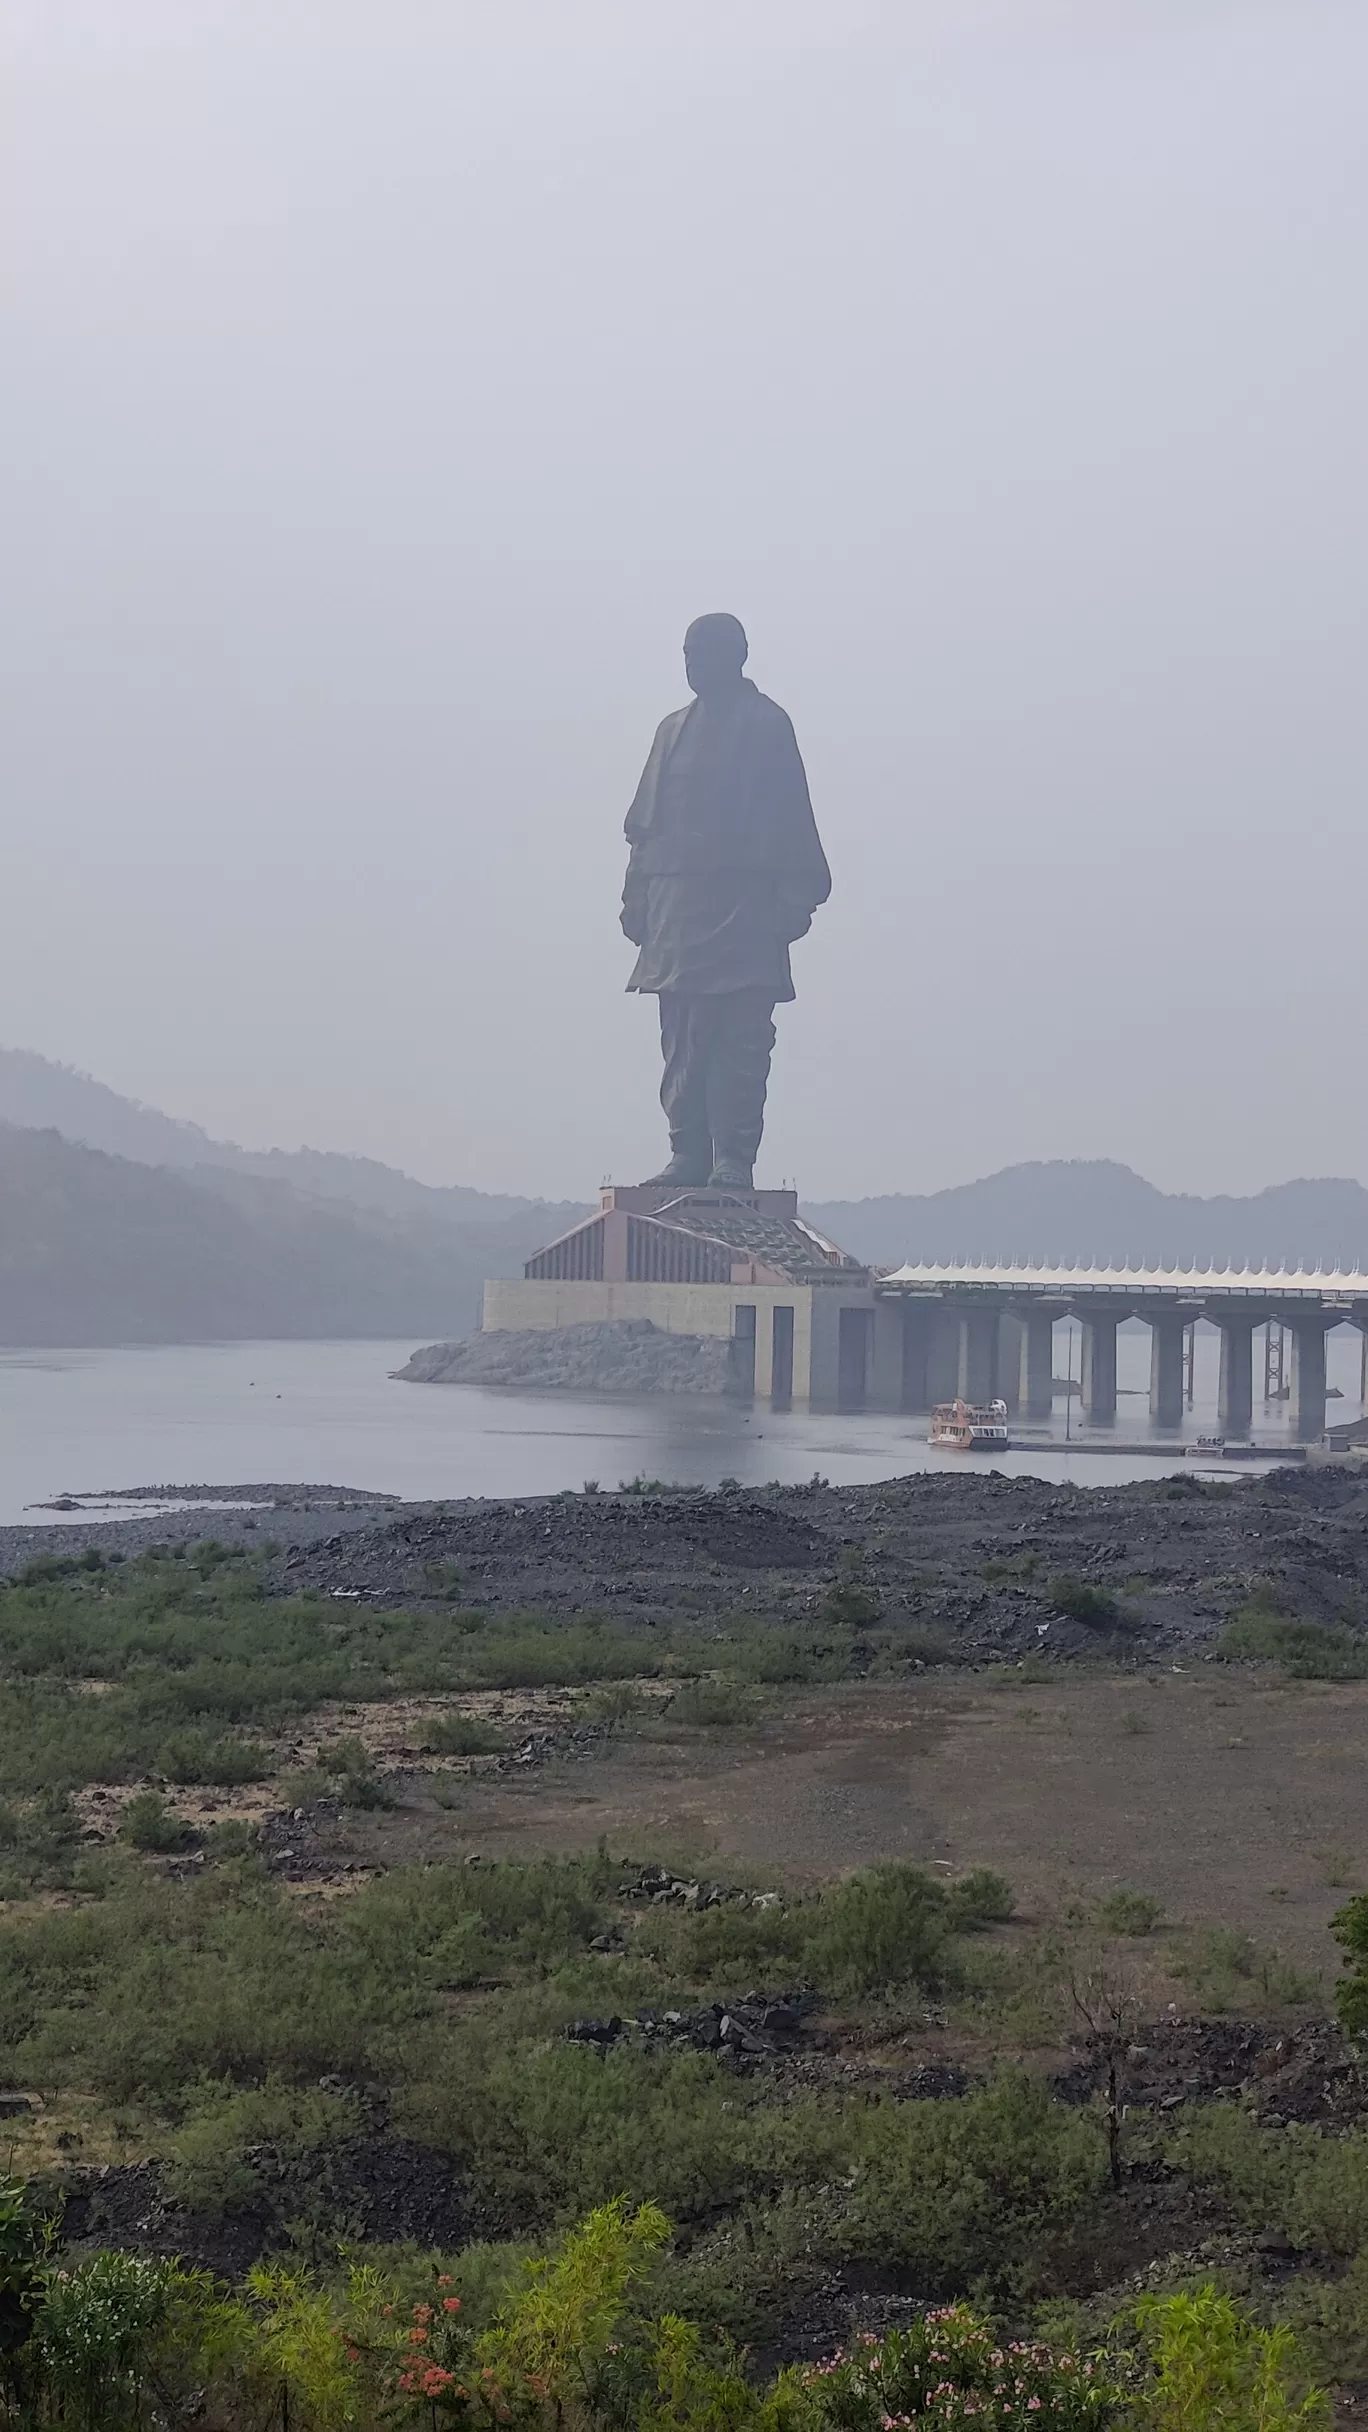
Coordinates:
(811, 1324)
(742, 1265)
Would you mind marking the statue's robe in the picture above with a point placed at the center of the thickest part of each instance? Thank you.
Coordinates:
(726, 867)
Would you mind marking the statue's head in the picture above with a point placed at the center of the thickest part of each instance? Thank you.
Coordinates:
(715, 650)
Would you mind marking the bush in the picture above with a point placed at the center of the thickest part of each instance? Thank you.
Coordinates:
(879, 1931)
(1308, 1650)
(461, 1735)
(978, 1899)
(98, 2332)
(705, 1705)
(949, 2367)
(954, 2191)
(197, 1756)
(1078, 1600)
(1127, 1912)
(348, 1764)
(147, 1823)
(1349, 1925)
(1208, 2366)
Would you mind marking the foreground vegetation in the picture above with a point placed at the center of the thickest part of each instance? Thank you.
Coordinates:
(573, 2343)
(640, 2220)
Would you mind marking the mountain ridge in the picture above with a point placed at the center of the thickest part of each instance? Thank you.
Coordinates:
(177, 1237)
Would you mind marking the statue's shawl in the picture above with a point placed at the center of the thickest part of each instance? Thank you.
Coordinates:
(756, 813)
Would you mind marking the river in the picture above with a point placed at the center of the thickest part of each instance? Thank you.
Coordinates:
(332, 1413)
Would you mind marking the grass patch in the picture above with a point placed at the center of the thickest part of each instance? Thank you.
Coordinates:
(1228, 1971)
(1307, 1650)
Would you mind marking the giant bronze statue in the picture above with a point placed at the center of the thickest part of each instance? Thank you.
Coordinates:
(726, 870)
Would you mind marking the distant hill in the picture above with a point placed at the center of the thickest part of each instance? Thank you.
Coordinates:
(42, 1096)
(102, 1249)
(1096, 1209)
(118, 1224)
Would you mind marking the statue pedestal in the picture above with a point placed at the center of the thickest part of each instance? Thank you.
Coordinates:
(651, 1198)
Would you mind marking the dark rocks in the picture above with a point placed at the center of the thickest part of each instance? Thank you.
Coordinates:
(1306, 2073)
(757, 2027)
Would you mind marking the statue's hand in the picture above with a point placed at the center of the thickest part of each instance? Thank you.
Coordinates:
(795, 920)
(634, 922)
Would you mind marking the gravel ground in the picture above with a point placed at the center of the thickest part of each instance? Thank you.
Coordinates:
(1178, 1556)
(285, 1515)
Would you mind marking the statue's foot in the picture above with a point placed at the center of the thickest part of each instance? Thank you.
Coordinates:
(732, 1174)
(690, 1173)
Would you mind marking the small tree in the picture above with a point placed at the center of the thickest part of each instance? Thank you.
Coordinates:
(1106, 2002)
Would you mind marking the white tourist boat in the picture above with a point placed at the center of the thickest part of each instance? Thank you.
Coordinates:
(969, 1426)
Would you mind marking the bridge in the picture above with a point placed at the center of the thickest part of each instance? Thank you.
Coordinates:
(981, 1329)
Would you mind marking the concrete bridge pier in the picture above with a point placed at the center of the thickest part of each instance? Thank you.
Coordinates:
(916, 1355)
(1167, 1328)
(888, 1354)
(1235, 1394)
(1037, 1373)
(943, 1355)
(978, 1361)
(1099, 1363)
(1308, 1375)
(1011, 1359)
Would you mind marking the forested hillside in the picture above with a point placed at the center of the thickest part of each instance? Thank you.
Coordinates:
(101, 1249)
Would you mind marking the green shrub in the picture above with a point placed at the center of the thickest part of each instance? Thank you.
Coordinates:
(1349, 1925)
(197, 1756)
(348, 1764)
(948, 2368)
(978, 1899)
(99, 2331)
(1078, 1600)
(212, 2155)
(879, 1931)
(957, 2191)
(147, 1823)
(230, 1837)
(850, 1604)
(1210, 2366)
(1308, 1650)
(1128, 1912)
(705, 1705)
(462, 1735)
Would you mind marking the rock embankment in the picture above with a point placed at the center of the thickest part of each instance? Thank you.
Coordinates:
(620, 1355)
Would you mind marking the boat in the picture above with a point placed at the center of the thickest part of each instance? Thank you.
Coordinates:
(969, 1426)
(1206, 1448)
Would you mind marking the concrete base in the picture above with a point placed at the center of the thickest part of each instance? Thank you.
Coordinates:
(1308, 1379)
(1166, 1368)
(1235, 1402)
(1099, 1368)
(1038, 1373)
(978, 1355)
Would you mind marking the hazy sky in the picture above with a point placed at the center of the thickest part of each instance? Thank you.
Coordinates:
(387, 382)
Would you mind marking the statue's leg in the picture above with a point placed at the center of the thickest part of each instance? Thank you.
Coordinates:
(684, 1089)
(738, 1075)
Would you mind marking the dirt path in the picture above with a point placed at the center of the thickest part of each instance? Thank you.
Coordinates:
(1234, 1800)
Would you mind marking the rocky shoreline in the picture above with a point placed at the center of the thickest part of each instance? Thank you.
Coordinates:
(981, 1568)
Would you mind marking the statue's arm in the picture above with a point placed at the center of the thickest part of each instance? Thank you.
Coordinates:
(804, 878)
(639, 820)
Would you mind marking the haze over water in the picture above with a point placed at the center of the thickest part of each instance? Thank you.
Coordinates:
(76, 1421)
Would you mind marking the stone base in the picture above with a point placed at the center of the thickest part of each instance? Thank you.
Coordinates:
(648, 1198)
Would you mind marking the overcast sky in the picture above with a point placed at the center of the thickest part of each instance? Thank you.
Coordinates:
(386, 384)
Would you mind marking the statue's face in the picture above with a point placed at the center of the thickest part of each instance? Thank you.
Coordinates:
(714, 654)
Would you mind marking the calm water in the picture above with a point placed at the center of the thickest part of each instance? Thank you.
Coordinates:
(77, 1421)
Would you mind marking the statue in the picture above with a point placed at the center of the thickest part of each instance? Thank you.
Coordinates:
(726, 869)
